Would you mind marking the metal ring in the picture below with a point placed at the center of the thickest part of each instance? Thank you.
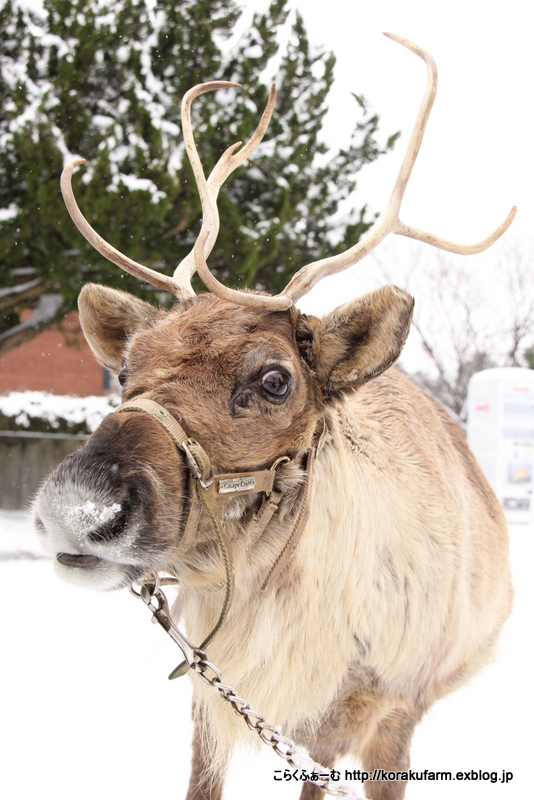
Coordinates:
(279, 461)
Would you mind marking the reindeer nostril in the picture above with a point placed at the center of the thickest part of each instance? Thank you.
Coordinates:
(110, 530)
(113, 527)
(39, 525)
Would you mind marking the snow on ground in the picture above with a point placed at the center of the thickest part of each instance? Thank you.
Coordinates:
(87, 711)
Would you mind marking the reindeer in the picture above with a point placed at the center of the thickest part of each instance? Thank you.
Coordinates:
(370, 555)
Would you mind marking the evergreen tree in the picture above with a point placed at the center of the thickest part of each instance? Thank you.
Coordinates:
(105, 81)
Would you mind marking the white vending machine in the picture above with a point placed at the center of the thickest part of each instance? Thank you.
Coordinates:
(500, 432)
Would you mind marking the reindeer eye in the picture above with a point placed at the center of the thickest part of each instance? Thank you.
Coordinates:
(122, 376)
(275, 383)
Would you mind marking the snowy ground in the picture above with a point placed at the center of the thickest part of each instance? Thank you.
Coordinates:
(87, 711)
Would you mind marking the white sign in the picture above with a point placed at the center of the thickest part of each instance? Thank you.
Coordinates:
(500, 433)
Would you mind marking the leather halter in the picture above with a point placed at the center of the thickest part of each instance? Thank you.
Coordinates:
(205, 486)
(234, 484)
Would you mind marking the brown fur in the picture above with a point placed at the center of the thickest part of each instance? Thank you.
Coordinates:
(399, 585)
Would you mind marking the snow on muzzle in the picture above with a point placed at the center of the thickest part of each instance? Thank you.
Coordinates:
(93, 524)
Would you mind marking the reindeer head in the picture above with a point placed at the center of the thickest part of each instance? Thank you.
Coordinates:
(243, 377)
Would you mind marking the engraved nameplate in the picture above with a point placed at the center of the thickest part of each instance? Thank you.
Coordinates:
(229, 485)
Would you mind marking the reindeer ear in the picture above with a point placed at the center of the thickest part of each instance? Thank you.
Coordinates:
(358, 340)
(108, 318)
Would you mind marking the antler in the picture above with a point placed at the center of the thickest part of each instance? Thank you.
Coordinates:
(209, 189)
(180, 283)
(104, 248)
(308, 276)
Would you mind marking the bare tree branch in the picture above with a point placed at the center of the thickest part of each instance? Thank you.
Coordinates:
(469, 315)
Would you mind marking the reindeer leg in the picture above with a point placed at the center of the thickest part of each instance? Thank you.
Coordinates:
(389, 748)
(201, 787)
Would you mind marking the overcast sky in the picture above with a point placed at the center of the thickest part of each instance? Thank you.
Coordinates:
(477, 158)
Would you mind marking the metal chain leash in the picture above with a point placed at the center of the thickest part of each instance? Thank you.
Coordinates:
(154, 597)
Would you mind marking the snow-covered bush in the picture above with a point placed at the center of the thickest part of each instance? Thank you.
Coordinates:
(50, 413)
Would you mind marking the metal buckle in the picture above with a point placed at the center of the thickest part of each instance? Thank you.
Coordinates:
(193, 464)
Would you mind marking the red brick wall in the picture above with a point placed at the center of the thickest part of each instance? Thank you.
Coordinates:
(57, 361)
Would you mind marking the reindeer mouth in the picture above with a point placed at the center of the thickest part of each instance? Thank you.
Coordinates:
(97, 573)
(73, 560)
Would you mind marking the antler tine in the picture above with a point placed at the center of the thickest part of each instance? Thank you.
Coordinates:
(209, 189)
(104, 248)
(308, 276)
